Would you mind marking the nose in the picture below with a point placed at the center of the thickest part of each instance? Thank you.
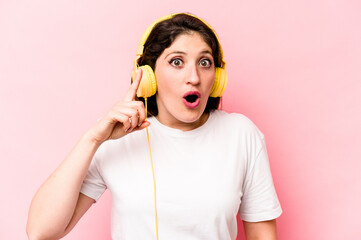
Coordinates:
(193, 75)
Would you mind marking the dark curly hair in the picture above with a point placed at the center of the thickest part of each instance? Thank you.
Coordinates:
(162, 36)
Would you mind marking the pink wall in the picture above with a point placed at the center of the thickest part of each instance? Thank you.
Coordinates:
(294, 69)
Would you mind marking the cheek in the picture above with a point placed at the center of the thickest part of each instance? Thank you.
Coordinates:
(210, 80)
(160, 76)
(168, 79)
(164, 80)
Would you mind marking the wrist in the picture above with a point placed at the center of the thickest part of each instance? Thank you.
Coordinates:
(90, 139)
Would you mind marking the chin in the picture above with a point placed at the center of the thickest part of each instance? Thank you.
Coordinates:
(191, 116)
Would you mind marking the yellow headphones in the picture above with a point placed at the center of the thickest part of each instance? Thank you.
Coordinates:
(148, 84)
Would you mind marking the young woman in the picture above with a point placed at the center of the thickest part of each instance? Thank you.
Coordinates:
(209, 165)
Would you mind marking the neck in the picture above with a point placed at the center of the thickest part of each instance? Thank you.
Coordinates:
(184, 126)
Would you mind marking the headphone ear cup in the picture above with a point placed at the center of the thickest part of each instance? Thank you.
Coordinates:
(220, 83)
(148, 84)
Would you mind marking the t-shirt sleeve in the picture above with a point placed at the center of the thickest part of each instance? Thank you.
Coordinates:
(93, 185)
(259, 201)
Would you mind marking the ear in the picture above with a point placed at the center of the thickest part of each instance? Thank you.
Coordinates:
(220, 83)
(148, 84)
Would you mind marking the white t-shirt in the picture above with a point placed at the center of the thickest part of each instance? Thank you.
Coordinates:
(204, 177)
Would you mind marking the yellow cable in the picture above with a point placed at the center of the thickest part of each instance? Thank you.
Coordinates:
(151, 161)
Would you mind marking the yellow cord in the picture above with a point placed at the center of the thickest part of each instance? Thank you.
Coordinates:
(151, 161)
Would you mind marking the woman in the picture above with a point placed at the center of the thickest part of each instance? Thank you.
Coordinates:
(208, 165)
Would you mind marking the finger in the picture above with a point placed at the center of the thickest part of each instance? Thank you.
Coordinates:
(134, 121)
(142, 126)
(139, 109)
(130, 96)
(142, 113)
(131, 111)
(121, 118)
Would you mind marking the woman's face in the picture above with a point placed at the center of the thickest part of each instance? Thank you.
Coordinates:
(185, 75)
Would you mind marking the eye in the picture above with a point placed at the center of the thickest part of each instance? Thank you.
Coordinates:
(176, 62)
(206, 63)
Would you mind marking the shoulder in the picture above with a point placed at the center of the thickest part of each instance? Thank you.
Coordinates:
(235, 122)
(237, 117)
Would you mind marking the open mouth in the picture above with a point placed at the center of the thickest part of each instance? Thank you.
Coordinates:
(192, 99)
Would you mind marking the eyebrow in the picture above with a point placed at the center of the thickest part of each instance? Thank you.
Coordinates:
(183, 53)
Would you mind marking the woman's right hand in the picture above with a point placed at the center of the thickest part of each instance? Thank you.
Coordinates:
(60, 192)
(125, 117)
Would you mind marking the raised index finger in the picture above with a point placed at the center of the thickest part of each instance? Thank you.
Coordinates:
(130, 96)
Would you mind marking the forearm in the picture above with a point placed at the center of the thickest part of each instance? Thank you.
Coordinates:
(53, 205)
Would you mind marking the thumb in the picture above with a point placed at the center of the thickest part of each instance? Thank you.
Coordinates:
(142, 126)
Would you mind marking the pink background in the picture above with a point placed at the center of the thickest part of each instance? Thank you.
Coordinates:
(294, 69)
